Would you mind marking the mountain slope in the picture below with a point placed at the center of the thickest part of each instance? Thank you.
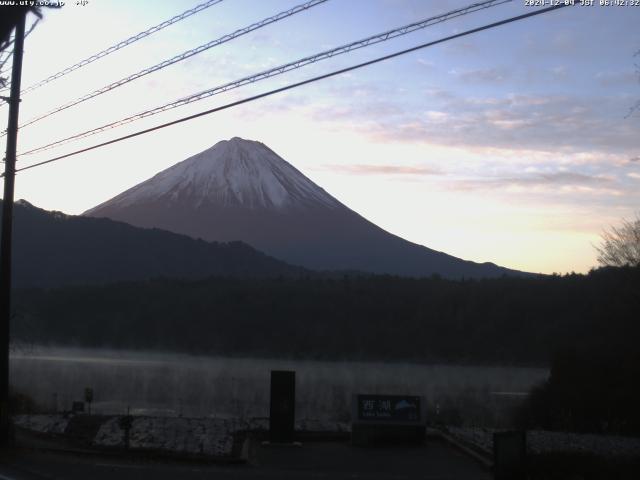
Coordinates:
(242, 190)
(54, 249)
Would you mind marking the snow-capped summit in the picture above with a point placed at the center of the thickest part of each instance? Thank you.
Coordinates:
(234, 172)
(241, 190)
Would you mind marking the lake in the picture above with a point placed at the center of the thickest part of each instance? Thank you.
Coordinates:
(151, 383)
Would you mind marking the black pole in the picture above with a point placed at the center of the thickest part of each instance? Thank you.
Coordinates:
(7, 224)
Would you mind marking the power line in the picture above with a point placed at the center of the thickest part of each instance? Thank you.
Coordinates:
(4, 80)
(122, 44)
(8, 43)
(377, 38)
(3, 61)
(178, 58)
(298, 84)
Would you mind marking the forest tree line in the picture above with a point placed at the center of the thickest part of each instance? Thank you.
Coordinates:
(496, 321)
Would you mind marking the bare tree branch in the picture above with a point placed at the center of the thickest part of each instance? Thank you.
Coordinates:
(635, 107)
(620, 246)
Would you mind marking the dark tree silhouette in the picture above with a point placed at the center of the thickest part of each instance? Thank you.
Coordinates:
(383, 318)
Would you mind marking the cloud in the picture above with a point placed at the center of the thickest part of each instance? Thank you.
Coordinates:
(608, 79)
(436, 116)
(439, 93)
(634, 175)
(485, 75)
(560, 178)
(565, 42)
(560, 72)
(367, 169)
(460, 47)
(557, 182)
(551, 123)
(427, 64)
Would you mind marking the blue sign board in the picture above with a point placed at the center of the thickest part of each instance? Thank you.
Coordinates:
(388, 408)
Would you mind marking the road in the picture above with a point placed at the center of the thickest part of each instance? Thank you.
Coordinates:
(315, 460)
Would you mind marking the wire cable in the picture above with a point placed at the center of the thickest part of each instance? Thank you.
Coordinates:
(3, 61)
(122, 44)
(298, 84)
(178, 58)
(371, 40)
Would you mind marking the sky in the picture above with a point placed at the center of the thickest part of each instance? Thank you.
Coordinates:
(514, 145)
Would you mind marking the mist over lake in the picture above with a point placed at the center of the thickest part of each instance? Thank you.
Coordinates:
(173, 384)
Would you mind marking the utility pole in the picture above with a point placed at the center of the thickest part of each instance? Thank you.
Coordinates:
(7, 224)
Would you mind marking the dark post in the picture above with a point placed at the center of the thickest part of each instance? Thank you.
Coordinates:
(125, 424)
(7, 224)
(509, 455)
(88, 397)
(282, 410)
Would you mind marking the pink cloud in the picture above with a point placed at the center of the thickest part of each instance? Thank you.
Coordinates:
(363, 169)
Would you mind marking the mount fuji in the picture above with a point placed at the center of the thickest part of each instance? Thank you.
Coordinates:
(242, 190)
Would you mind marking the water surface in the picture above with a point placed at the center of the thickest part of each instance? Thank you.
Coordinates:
(173, 384)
